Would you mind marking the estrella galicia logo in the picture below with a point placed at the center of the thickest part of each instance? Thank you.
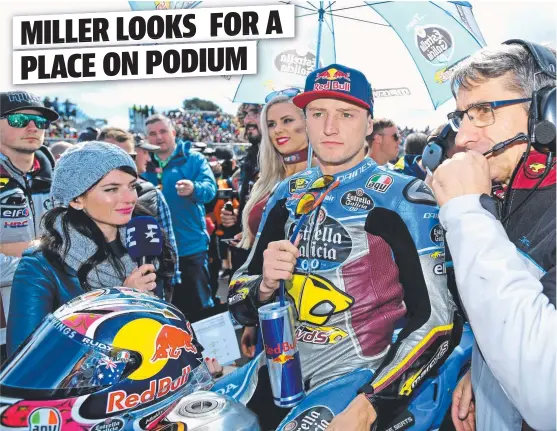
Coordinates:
(434, 43)
(326, 246)
(109, 424)
(357, 200)
(314, 418)
(437, 235)
(297, 184)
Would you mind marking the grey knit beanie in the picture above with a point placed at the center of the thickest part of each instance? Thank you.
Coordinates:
(82, 166)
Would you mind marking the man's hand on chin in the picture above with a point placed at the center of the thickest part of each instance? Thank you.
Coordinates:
(358, 416)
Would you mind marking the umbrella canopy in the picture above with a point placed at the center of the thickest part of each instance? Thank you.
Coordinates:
(407, 49)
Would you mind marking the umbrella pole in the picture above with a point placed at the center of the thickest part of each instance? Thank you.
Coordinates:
(317, 54)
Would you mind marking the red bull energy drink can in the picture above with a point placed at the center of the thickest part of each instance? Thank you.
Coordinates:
(283, 360)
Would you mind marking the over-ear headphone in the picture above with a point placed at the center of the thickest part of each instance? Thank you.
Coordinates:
(436, 149)
(542, 117)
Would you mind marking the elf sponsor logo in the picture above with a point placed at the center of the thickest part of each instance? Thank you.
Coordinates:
(440, 269)
(296, 184)
(109, 424)
(120, 400)
(379, 183)
(15, 213)
(357, 200)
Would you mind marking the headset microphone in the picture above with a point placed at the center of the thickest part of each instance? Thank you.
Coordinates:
(502, 145)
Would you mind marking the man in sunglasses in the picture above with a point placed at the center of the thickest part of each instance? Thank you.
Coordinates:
(368, 257)
(25, 176)
(503, 243)
(384, 142)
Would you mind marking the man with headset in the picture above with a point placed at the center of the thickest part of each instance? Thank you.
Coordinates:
(503, 246)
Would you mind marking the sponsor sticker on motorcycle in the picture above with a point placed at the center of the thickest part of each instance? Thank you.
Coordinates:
(109, 424)
(316, 418)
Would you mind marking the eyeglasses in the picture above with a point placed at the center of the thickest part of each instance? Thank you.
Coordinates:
(481, 114)
(20, 120)
(289, 92)
(395, 136)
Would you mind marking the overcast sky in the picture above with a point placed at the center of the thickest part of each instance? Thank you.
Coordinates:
(498, 21)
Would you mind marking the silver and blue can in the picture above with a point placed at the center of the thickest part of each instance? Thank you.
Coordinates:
(281, 351)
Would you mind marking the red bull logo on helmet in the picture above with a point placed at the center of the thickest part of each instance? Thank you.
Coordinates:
(120, 400)
(171, 340)
(332, 79)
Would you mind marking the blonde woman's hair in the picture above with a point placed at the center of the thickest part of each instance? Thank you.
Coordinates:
(272, 169)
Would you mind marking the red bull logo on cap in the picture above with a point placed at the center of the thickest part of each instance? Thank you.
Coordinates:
(332, 79)
(171, 340)
(333, 74)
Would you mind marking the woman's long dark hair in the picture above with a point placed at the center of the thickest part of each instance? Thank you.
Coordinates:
(55, 247)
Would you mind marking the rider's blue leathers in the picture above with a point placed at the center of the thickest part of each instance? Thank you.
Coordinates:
(371, 260)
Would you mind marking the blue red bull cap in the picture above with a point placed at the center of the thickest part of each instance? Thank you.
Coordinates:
(336, 82)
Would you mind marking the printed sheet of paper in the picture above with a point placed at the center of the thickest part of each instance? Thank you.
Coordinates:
(217, 336)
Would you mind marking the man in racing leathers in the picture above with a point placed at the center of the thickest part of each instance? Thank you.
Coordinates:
(25, 175)
(369, 259)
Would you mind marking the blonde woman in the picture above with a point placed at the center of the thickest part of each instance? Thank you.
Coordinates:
(283, 152)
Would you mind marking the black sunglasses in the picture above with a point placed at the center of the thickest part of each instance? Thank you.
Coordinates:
(21, 120)
(395, 136)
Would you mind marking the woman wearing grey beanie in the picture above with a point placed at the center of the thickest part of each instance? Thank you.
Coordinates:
(83, 248)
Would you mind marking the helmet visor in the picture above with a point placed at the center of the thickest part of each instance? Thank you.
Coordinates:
(58, 362)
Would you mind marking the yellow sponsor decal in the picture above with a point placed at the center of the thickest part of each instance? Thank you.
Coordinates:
(316, 298)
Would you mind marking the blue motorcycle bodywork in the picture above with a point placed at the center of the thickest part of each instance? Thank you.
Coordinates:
(427, 410)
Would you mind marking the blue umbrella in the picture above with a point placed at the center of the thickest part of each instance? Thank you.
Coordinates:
(407, 49)
(403, 48)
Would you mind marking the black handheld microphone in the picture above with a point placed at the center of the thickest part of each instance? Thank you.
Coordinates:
(502, 145)
(144, 240)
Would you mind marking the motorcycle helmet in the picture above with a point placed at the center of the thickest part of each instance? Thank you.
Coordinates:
(109, 360)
